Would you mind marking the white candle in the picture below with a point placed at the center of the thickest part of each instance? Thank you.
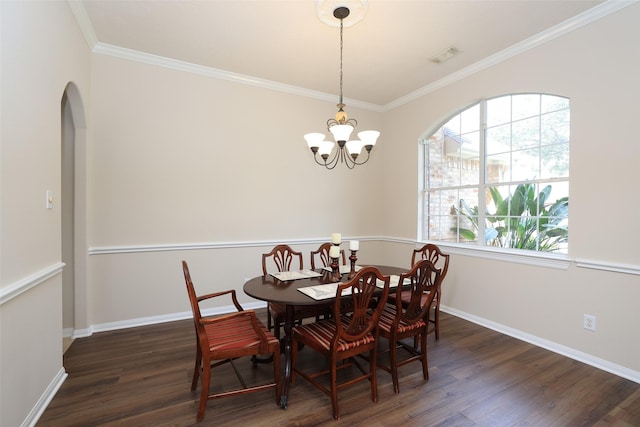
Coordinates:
(354, 245)
(334, 252)
(336, 238)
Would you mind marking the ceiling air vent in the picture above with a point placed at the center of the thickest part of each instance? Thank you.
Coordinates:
(445, 55)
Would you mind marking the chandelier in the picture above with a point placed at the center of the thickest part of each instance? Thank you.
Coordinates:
(341, 127)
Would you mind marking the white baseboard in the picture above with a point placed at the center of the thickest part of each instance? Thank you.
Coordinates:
(48, 395)
(153, 320)
(569, 352)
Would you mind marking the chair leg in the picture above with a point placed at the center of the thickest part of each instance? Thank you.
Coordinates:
(196, 368)
(423, 348)
(393, 350)
(437, 321)
(294, 360)
(204, 392)
(276, 375)
(268, 317)
(374, 376)
(334, 390)
(276, 328)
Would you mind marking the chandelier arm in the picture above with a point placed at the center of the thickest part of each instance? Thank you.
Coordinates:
(348, 160)
(328, 163)
(333, 163)
(365, 160)
(315, 157)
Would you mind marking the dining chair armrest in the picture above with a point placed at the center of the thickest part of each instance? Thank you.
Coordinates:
(217, 294)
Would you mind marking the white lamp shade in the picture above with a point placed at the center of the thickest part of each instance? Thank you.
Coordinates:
(314, 139)
(325, 147)
(341, 132)
(368, 137)
(354, 146)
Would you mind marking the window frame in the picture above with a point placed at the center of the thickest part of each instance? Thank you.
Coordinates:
(474, 248)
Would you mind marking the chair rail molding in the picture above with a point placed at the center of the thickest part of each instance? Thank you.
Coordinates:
(13, 290)
(104, 250)
(540, 259)
(608, 266)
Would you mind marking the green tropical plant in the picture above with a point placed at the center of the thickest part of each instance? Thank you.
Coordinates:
(524, 220)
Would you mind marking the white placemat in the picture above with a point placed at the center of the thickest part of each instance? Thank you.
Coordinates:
(295, 275)
(320, 292)
(393, 281)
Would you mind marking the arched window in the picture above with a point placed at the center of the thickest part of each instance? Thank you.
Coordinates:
(497, 174)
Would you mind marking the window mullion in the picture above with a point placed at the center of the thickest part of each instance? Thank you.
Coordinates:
(482, 178)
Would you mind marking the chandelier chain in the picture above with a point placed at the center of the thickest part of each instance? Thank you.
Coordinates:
(341, 45)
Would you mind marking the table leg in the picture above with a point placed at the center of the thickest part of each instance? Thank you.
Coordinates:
(288, 343)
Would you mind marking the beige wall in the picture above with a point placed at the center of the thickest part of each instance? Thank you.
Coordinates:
(185, 166)
(42, 50)
(183, 158)
(596, 67)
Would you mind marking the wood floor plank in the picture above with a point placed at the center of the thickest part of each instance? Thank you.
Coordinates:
(141, 377)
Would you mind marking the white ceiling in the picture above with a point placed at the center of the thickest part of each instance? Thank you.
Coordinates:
(386, 55)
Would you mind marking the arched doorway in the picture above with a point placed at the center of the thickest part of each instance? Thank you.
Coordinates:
(73, 202)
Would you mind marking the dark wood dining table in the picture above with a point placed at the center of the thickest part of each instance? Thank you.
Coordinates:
(268, 288)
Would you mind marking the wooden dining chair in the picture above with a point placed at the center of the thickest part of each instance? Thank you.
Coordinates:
(223, 339)
(346, 335)
(440, 260)
(323, 253)
(284, 258)
(405, 318)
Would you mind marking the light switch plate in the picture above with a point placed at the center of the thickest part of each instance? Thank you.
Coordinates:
(49, 199)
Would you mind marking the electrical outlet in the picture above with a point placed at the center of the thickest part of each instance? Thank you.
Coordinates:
(589, 322)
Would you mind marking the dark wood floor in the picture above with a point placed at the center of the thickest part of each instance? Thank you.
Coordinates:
(141, 377)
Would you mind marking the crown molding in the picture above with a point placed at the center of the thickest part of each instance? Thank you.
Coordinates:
(552, 33)
(84, 22)
(161, 61)
(587, 17)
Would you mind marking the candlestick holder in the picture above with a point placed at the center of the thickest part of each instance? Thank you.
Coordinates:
(353, 258)
(335, 270)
